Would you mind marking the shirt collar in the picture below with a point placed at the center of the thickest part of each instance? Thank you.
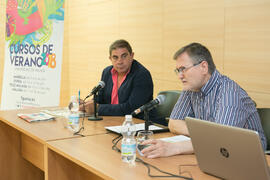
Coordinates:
(114, 72)
(211, 82)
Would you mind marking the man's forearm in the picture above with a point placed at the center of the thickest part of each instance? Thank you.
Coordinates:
(178, 127)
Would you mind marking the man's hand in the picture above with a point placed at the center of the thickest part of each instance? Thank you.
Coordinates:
(88, 107)
(159, 148)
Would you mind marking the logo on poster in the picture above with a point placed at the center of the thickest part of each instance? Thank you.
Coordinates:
(26, 55)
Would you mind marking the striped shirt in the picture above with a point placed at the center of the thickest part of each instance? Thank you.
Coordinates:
(220, 100)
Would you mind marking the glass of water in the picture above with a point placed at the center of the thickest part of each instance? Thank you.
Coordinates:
(142, 136)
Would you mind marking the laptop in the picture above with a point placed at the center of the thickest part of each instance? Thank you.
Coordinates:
(228, 152)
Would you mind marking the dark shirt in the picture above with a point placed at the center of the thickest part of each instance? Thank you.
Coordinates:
(135, 91)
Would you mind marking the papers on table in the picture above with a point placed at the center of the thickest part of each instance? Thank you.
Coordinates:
(58, 112)
(140, 126)
(62, 112)
(175, 138)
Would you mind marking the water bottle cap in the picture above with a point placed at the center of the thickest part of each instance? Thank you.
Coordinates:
(73, 98)
(128, 116)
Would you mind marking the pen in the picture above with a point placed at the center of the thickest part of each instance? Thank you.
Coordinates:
(79, 94)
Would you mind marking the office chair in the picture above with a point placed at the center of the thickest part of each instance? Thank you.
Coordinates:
(164, 110)
(265, 120)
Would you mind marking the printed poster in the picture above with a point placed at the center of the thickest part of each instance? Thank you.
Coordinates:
(33, 53)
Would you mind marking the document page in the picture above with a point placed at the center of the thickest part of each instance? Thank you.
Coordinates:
(140, 126)
(175, 138)
(62, 112)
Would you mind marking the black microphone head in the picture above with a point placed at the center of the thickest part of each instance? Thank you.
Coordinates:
(101, 84)
(161, 99)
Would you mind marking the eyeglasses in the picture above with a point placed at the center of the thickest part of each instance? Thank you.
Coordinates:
(184, 69)
(123, 56)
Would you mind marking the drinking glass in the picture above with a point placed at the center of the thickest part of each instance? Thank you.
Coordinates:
(142, 136)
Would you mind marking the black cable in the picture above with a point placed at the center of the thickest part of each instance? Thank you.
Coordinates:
(147, 165)
(180, 171)
(169, 175)
(115, 142)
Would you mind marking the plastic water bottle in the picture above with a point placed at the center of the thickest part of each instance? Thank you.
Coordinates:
(74, 116)
(128, 147)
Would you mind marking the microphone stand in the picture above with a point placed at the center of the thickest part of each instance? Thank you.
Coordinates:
(147, 122)
(95, 117)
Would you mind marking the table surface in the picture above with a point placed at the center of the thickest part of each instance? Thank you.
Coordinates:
(43, 131)
(95, 154)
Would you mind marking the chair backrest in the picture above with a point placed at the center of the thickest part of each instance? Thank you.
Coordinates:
(265, 120)
(164, 110)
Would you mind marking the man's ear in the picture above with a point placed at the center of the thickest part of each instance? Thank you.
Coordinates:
(204, 65)
(132, 55)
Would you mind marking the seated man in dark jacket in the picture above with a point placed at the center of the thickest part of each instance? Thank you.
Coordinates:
(128, 86)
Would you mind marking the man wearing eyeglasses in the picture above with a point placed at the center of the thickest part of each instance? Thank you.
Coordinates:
(206, 95)
(128, 84)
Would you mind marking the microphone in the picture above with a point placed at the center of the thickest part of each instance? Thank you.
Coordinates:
(159, 100)
(100, 85)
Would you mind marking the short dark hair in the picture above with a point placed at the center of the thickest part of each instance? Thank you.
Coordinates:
(198, 53)
(121, 43)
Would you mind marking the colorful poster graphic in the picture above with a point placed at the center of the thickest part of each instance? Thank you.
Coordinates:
(33, 53)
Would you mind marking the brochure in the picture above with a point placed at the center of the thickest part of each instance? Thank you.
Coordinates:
(32, 117)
